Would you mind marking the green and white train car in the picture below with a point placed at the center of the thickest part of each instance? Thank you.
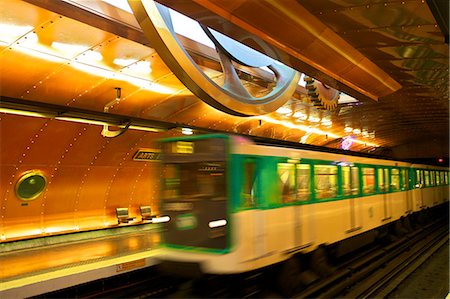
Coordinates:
(234, 206)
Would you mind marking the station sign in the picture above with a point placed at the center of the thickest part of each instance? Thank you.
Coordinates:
(144, 154)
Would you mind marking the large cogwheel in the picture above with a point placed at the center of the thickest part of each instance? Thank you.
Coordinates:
(232, 96)
(323, 97)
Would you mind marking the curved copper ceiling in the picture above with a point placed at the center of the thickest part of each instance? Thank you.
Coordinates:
(399, 41)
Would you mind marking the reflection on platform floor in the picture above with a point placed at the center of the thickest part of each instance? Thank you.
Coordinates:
(28, 262)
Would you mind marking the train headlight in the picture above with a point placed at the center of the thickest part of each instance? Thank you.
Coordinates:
(217, 223)
(161, 219)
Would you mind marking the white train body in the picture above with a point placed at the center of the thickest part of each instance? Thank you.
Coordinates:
(270, 232)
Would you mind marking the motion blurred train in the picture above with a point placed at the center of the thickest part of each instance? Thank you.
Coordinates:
(234, 206)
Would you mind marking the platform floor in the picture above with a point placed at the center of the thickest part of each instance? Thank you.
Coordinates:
(33, 271)
(430, 280)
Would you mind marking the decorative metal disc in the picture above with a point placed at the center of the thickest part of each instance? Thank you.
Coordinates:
(322, 96)
(232, 97)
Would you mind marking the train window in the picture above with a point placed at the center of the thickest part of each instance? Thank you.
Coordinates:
(446, 177)
(286, 180)
(395, 179)
(248, 195)
(419, 179)
(442, 178)
(325, 178)
(303, 184)
(438, 178)
(350, 180)
(194, 179)
(427, 177)
(368, 176)
(383, 185)
(404, 178)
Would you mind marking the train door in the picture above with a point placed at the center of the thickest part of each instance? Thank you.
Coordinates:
(404, 177)
(418, 191)
(350, 187)
(303, 213)
(383, 188)
(251, 222)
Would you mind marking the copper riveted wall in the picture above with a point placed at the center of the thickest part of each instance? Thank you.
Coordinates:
(88, 176)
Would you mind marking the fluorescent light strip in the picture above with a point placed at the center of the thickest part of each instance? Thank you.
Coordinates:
(24, 113)
(76, 119)
(307, 129)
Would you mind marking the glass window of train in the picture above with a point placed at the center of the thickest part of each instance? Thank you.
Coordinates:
(350, 180)
(427, 177)
(446, 177)
(248, 195)
(286, 181)
(355, 181)
(395, 179)
(404, 178)
(438, 178)
(368, 180)
(381, 180)
(171, 181)
(211, 179)
(325, 181)
(419, 178)
(442, 178)
(303, 182)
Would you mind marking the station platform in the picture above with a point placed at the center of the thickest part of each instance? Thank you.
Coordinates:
(33, 267)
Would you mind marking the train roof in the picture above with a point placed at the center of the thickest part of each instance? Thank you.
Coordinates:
(315, 152)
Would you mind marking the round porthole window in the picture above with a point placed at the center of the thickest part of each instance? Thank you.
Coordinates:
(30, 185)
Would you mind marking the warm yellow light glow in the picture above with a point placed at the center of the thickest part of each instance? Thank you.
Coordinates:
(314, 119)
(81, 120)
(75, 119)
(284, 110)
(94, 70)
(30, 38)
(24, 113)
(124, 61)
(300, 115)
(69, 50)
(140, 67)
(90, 56)
(147, 129)
(9, 33)
(39, 52)
(80, 57)
(307, 129)
(291, 125)
(348, 129)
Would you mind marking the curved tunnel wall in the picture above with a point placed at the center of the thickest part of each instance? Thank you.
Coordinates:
(88, 176)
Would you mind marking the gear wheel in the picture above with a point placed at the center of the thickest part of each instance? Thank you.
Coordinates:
(322, 96)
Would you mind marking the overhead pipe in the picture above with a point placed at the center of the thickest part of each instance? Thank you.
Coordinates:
(106, 132)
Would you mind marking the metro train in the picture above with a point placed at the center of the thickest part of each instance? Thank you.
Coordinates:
(233, 206)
